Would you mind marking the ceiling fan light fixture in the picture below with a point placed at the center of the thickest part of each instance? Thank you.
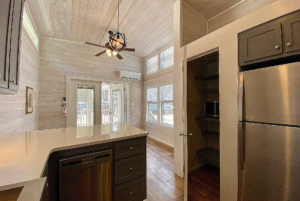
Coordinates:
(115, 53)
(108, 52)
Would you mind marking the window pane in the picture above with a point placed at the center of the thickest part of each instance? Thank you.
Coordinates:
(167, 58)
(168, 53)
(152, 65)
(28, 24)
(167, 113)
(152, 112)
(152, 94)
(167, 63)
(166, 93)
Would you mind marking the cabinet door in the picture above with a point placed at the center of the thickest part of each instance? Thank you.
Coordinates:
(15, 49)
(292, 32)
(260, 43)
(5, 30)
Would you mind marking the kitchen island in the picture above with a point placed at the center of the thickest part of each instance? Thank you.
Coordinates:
(31, 155)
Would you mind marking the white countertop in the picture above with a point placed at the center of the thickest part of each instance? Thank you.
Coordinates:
(24, 155)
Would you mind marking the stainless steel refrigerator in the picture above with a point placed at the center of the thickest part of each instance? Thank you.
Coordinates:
(269, 134)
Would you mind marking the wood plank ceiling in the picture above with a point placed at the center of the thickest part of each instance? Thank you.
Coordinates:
(211, 8)
(148, 24)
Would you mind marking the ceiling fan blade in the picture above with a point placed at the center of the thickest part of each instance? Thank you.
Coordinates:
(97, 55)
(128, 49)
(119, 56)
(95, 44)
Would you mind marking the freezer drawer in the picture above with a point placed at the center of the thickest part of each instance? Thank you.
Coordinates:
(271, 163)
(271, 95)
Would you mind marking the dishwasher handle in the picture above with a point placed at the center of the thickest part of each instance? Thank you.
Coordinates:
(86, 159)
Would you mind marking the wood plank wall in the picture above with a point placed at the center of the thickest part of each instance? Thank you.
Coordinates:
(12, 110)
(59, 59)
(194, 25)
(158, 132)
(237, 12)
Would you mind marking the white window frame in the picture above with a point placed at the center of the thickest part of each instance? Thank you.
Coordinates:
(152, 102)
(160, 58)
(158, 63)
(30, 27)
(161, 102)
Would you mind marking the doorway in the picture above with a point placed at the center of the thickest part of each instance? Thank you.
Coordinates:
(113, 103)
(94, 102)
(84, 109)
(202, 113)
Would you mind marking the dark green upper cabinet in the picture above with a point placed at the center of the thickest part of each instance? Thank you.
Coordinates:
(5, 22)
(272, 43)
(11, 13)
(261, 42)
(15, 47)
(291, 26)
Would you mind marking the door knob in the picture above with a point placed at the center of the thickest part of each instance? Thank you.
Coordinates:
(181, 134)
(289, 44)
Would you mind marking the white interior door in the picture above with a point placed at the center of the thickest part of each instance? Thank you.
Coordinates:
(184, 133)
(85, 104)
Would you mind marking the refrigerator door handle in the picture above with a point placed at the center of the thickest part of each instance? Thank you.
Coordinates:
(241, 96)
(241, 146)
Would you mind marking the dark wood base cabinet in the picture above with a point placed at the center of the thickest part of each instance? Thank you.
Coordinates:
(272, 43)
(128, 170)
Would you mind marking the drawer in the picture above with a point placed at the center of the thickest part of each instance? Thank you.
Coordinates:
(130, 168)
(131, 191)
(130, 148)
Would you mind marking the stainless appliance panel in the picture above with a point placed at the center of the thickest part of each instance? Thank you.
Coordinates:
(272, 163)
(86, 177)
(272, 95)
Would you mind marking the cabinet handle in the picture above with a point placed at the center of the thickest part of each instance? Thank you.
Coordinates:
(131, 193)
(277, 46)
(131, 148)
(289, 44)
(13, 81)
(131, 168)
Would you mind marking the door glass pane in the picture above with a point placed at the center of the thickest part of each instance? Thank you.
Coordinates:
(105, 104)
(85, 105)
(152, 112)
(116, 95)
(167, 114)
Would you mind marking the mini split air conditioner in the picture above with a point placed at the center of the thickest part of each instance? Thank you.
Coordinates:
(130, 75)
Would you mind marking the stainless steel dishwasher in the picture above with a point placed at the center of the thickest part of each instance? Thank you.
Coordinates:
(86, 177)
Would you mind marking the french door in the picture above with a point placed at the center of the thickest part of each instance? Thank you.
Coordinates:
(85, 108)
(113, 103)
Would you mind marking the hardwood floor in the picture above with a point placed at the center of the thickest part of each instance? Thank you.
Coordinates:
(204, 184)
(164, 185)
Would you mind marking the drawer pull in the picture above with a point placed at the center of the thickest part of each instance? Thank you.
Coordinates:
(289, 44)
(277, 47)
(131, 168)
(131, 193)
(131, 148)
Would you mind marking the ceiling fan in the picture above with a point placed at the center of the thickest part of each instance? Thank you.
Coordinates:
(117, 43)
